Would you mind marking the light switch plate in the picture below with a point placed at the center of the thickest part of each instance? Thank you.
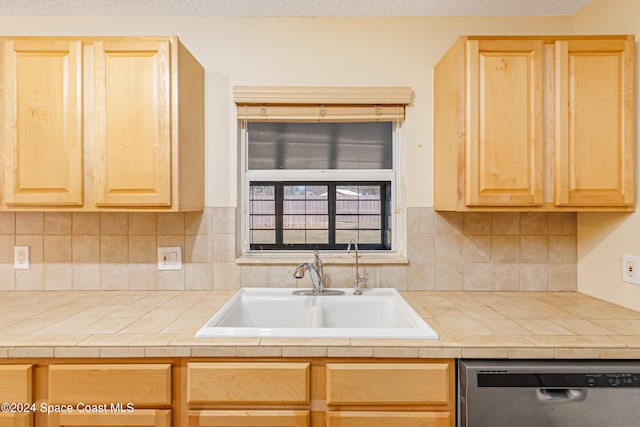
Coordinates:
(21, 257)
(631, 269)
(170, 258)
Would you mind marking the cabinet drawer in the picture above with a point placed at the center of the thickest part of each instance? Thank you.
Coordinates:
(247, 383)
(13, 419)
(140, 384)
(249, 418)
(137, 418)
(388, 419)
(388, 383)
(15, 383)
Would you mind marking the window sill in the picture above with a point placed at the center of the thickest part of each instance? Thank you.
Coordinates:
(328, 258)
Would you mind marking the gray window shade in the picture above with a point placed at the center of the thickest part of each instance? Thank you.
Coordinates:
(274, 145)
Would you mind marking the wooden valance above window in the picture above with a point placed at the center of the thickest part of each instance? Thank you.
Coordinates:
(317, 104)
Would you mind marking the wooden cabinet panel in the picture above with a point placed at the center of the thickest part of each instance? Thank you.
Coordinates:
(262, 418)
(504, 146)
(248, 383)
(137, 418)
(133, 123)
(16, 420)
(594, 123)
(16, 383)
(140, 384)
(388, 419)
(388, 383)
(42, 105)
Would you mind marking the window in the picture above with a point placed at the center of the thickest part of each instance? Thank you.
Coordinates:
(315, 176)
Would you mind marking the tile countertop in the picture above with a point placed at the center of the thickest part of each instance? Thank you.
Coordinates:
(106, 324)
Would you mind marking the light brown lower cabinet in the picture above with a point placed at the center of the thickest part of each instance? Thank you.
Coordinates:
(16, 388)
(388, 419)
(137, 418)
(252, 418)
(16, 419)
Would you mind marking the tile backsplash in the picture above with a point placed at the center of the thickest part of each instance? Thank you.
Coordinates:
(446, 251)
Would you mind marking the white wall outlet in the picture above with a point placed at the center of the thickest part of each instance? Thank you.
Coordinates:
(631, 269)
(21, 257)
(170, 258)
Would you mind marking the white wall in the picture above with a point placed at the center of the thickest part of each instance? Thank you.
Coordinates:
(304, 51)
(603, 238)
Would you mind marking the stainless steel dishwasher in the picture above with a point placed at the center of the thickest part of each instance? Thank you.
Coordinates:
(549, 393)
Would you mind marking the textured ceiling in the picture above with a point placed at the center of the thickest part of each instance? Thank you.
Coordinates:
(291, 7)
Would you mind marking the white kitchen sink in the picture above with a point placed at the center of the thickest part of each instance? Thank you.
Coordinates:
(275, 312)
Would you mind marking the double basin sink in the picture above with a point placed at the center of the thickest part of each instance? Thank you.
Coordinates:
(277, 312)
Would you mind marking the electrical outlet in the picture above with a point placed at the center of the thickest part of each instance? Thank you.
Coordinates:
(170, 258)
(631, 269)
(21, 257)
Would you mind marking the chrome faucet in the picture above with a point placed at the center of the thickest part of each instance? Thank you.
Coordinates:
(317, 278)
(358, 282)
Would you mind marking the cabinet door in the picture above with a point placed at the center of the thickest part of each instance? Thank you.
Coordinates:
(42, 115)
(16, 387)
(594, 123)
(504, 122)
(136, 418)
(265, 418)
(388, 419)
(132, 123)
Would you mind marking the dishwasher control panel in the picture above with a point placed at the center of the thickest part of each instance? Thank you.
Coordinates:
(560, 380)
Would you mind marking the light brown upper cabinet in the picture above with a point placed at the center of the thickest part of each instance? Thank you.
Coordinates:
(113, 123)
(535, 123)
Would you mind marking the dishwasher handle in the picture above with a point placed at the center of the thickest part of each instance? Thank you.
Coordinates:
(561, 394)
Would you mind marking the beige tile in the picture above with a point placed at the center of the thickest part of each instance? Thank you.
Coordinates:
(421, 248)
(563, 277)
(577, 353)
(534, 277)
(7, 223)
(282, 277)
(121, 352)
(485, 353)
(563, 224)
(421, 276)
(86, 276)
(170, 240)
(142, 223)
(36, 246)
(57, 248)
(563, 249)
(254, 276)
(621, 353)
(534, 249)
(142, 249)
(259, 351)
(114, 276)
(448, 248)
(506, 277)
(226, 276)
(544, 327)
(531, 353)
(477, 223)
(31, 352)
(420, 222)
(224, 220)
(57, 223)
(476, 249)
(350, 352)
(503, 327)
(116, 223)
(114, 249)
(448, 223)
(171, 223)
(170, 280)
(213, 352)
(564, 341)
(477, 277)
(199, 248)
(335, 276)
(29, 223)
(224, 248)
(58, 276)
(621, 327)
(505, 223)
(167, 352)
(534, 223)
(7, 276)
(396, 276)
(142, 277)
(582, 327)
(394, 352)
(6, 248)
(85, 248)
(440, 352)
(85, 223)
(199, 222)
(505, 249)
(304, 352)
(198, 276)
(448, 277)
(76, 352)
(31, 279)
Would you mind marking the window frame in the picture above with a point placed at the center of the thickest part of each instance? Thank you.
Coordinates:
(326, 175)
